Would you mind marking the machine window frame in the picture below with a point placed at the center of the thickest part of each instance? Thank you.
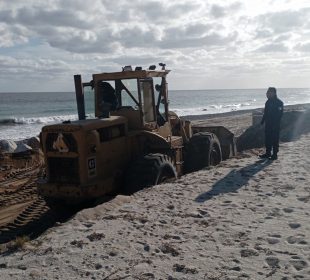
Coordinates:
(106, 133)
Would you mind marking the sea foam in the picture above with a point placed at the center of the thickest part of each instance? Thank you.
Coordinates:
(36, 120)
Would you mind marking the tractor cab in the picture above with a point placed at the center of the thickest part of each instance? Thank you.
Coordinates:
(141, 96)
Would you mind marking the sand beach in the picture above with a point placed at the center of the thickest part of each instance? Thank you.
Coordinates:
(243, 219)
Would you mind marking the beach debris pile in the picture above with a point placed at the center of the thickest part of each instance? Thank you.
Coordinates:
(294, 124)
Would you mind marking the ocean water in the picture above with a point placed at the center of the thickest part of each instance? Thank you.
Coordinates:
(23, 114)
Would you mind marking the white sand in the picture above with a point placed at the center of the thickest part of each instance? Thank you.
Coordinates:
(245, 219)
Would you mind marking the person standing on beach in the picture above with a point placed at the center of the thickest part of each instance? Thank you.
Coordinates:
(272, 118)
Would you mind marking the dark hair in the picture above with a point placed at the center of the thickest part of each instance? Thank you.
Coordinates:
(106, 86)
(107, 94)
(273, 90)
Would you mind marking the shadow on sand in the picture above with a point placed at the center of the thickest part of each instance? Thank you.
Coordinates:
(234, 180)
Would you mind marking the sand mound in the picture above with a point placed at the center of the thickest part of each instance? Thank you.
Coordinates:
(293, 125)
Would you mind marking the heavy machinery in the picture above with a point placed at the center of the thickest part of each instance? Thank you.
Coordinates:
(133, 141)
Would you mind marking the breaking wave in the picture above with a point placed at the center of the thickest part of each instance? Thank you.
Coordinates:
(36, 120)
(214, 109)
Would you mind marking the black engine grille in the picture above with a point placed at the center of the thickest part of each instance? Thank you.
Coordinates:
(63, 170)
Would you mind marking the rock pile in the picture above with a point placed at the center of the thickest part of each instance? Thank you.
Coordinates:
(16, 147)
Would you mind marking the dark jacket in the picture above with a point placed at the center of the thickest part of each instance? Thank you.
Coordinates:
(107, 94)
(273, 112)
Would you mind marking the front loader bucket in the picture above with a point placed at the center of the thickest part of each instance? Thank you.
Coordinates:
(226, 138)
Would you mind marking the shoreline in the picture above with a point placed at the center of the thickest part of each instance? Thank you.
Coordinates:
(238, 122)
(217, 117)
(303, 106)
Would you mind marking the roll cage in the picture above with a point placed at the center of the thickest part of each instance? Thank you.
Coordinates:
(132, 89)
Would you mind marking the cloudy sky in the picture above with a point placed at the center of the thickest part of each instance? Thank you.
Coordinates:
(206, 43)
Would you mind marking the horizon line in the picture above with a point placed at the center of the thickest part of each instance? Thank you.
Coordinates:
(169, 90)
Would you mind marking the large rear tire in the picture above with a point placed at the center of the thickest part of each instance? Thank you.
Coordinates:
(149, 170)
(202, 150)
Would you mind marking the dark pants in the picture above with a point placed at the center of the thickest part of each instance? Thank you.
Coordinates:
(272, 135)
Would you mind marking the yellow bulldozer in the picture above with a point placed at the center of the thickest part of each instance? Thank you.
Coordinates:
(131, 141)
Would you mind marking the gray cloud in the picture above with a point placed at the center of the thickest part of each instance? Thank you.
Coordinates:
(263, 33)
(283, 38)
(9, 36)
(140, 25)
(218, 11)
(303, 47)
(32, 68)
(273, 47)
(284, 21)
(80, 41)
(34, 17)
(176, 40)
(148, 11)
(187, 34)
(136, 36)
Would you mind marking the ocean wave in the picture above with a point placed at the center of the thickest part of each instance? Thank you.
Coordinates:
(238, 105)
(213, 109)
(216, 106)
(36, 120)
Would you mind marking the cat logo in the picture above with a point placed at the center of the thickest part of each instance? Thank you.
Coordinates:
(91, 167)
(60, 144)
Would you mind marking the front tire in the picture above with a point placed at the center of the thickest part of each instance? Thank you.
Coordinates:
(202, 150)
(149, 170)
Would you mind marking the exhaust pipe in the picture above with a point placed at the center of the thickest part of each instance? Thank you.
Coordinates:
(79, 92)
